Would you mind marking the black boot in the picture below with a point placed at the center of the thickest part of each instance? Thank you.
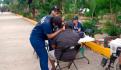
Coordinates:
(112, 61)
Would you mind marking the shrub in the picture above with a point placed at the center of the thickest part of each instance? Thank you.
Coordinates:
(111, 29)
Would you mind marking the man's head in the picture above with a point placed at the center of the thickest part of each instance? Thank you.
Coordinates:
(68, 25)
(75, 20)
(56, 21)
(55, 11)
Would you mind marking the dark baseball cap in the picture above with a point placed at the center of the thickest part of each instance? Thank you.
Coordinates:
(56, 8)
(75, 18)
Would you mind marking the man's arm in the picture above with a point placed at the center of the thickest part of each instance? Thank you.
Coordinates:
(52, 35)
(54, 42)
(81, 27)
(47, 29)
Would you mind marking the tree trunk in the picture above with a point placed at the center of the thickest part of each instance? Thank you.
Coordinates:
(110, 7)
(43, 1)
(93, 13)
(111, 12)
(75, 6)
(112, 15)
(33, 12)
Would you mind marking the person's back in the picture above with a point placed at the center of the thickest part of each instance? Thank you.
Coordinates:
(64, 44)
(66, 40)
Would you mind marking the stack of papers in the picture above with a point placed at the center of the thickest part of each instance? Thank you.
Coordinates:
(86, 39)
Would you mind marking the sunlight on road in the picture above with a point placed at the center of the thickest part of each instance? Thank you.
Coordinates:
(2, 16)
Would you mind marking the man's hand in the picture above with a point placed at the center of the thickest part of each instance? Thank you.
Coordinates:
(52, 35)
(79, 30)
(63, 28)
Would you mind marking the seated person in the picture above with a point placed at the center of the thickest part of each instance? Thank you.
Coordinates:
(76, 25)
(66, 39)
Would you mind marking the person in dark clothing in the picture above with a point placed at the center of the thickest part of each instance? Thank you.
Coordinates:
(65, 39)
(44, 31)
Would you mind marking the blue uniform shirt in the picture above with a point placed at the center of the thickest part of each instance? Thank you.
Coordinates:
(79, 26)
(43, 28)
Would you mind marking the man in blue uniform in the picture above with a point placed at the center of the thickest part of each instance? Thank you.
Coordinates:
(44, 31)
(77, 26)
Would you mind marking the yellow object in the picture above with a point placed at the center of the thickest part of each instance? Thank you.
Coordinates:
(99, 49)
(30, 20)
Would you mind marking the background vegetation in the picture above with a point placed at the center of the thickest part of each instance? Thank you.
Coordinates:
(101, 12)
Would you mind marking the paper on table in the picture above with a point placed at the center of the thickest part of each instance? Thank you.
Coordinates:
(86, 39)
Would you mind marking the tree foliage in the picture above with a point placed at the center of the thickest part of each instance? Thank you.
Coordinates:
(97, 7)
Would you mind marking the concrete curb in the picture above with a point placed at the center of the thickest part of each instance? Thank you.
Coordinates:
(30, 20)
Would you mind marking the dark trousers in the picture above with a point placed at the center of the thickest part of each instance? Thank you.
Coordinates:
(39, 47)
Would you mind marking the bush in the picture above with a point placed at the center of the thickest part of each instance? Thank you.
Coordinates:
(90, 27)
(111, 29)
(119, 18)
(69, 16)
(90, 24)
